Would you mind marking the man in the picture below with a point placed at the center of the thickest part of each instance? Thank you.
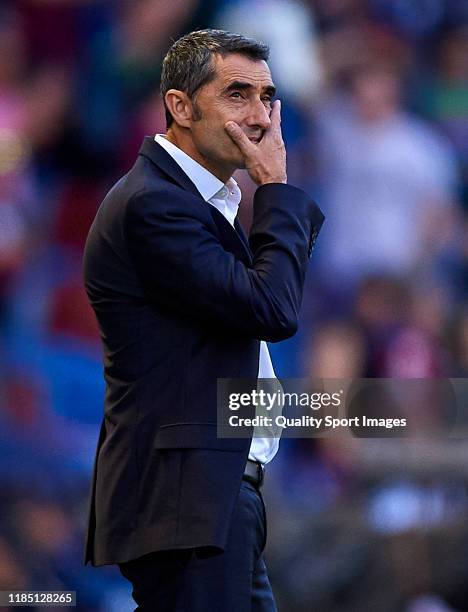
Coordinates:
(182, 299)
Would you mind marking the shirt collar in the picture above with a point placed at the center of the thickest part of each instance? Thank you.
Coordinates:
(207, 184)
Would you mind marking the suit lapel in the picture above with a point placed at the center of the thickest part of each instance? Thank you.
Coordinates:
(235, 241)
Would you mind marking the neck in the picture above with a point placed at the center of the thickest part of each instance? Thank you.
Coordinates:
(183, 140)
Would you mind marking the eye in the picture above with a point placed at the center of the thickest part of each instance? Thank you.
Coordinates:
(236, 94)
(267, 100)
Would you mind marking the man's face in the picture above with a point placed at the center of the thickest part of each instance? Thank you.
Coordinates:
(241, 91)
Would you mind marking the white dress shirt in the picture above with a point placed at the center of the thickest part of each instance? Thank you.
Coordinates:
(226, 198)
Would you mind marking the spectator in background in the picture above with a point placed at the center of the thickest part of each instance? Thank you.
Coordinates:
(444, 97)
(338, 351)
(388, 184)
(32, 109)
(15, 181)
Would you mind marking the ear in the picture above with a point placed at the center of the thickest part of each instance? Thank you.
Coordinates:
(180, 107)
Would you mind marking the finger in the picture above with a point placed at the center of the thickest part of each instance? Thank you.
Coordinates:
(273, 133)
(240, 139)
(275, 115)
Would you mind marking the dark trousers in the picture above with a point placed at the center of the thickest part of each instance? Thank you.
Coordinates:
(234, 581)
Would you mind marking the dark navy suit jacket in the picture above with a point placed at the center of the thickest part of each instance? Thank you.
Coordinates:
(181, 299)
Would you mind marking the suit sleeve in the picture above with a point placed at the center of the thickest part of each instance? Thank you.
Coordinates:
(183, 265)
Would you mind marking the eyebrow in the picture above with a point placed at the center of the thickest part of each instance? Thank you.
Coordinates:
(269, 89)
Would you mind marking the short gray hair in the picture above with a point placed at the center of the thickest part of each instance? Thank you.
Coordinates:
(189, 62)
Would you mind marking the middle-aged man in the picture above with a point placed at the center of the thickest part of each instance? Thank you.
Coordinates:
(183, 298)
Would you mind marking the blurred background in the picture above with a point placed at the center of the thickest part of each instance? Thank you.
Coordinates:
(375, 118)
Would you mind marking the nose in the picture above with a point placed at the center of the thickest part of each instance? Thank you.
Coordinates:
(259, 117)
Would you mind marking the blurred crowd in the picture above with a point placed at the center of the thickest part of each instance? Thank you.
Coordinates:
(375, 118)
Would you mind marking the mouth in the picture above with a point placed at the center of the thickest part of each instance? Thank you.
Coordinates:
(255, 139)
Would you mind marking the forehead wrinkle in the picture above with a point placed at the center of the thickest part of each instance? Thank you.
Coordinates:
(260, 79)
